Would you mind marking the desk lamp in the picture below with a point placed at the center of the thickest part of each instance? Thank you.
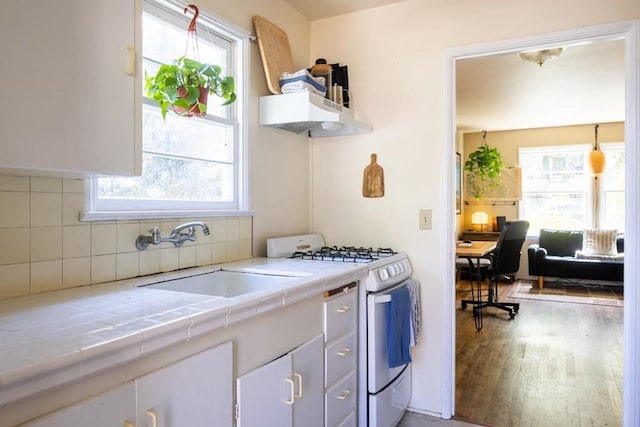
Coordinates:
(479, 221)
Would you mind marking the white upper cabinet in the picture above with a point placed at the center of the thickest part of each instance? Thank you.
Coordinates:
(71, 86)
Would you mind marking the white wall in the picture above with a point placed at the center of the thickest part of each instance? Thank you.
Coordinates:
(395, 56)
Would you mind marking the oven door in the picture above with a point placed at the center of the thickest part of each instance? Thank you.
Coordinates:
(379, 374)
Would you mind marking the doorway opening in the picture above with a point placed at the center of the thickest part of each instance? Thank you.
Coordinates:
(630, 33)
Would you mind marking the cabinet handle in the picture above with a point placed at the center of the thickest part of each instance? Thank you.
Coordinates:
(344, 352)
(154, 417)
(130, 71)
(343, 309)
(345, 394)
(128, 423)
(299, 377)
(292, 398)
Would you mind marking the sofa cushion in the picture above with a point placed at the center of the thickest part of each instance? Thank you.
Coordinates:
(616, 257)
(561, 242)
(599, 242)
(575, 268)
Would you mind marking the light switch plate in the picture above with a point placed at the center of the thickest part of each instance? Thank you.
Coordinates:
(424, 222)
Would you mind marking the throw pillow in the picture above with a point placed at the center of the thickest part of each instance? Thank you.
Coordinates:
(599, 242)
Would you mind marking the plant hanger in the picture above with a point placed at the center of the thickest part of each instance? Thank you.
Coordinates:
(192, 35)
(185, 84)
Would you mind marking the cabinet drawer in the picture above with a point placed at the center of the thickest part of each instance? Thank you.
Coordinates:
(340, 315)
(340, 400)
(340, 358)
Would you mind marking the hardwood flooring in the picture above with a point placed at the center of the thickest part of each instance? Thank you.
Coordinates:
(555, 365)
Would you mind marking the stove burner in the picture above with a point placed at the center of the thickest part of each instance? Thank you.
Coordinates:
(345, 254)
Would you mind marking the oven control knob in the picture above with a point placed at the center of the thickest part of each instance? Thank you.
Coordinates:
(393, 270)
(383, 274)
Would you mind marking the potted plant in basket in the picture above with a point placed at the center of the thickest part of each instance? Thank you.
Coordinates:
(483, 169)
(185, 84)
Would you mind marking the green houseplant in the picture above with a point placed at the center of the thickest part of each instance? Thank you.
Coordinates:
(184, 85)
(483, 169)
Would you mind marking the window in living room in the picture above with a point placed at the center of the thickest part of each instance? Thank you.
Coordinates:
(558, 188)
(611, 194)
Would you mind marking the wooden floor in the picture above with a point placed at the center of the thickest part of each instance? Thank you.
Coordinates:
(555, 364)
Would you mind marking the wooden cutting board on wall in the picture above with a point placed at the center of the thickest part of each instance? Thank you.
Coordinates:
(275, 51)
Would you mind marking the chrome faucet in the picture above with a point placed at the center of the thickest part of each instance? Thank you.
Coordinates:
(178, 236)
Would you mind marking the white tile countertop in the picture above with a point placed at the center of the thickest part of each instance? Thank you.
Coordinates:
(54, 338)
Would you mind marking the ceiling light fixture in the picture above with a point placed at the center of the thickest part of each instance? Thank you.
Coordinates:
(541, 56)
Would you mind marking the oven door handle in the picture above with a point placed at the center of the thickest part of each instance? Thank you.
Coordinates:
(382, 299)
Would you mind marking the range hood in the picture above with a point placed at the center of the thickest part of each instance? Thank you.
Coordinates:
(302, 112)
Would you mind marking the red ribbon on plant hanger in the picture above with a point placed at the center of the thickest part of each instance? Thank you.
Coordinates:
(191, 32)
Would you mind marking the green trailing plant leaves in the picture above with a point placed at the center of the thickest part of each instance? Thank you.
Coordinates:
(483, 169)
(183, 78)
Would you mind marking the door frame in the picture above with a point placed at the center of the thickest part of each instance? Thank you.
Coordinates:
(630, 32)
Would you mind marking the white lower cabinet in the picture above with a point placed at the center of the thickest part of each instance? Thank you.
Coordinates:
(196, 391)
(350, 421)
(341, 356)
(109, 409)
(285, 392)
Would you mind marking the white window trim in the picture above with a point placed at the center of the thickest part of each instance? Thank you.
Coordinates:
(241, 76)
(599, 211)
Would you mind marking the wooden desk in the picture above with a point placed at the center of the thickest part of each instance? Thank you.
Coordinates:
(477, 250)
(481, 235)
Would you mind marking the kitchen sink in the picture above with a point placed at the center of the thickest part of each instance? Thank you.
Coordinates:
(221, 283)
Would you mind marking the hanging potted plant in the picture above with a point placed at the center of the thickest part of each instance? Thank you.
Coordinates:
(483, 168)
(185, 84)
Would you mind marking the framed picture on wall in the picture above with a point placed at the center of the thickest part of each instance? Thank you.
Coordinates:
(458, 184)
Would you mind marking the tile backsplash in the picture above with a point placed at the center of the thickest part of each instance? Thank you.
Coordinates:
(47, 247)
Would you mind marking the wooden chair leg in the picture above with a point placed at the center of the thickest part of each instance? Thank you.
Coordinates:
(540, 282)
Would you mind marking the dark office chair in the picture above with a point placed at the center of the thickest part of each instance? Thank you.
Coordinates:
(505, 261)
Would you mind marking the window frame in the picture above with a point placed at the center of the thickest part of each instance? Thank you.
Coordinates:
(591, 199)
(608, 147)
(97, 209)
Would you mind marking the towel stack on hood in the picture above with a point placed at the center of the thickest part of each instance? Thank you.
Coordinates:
(302, 80)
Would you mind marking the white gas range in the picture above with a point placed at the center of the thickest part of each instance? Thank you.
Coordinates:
(383, 392)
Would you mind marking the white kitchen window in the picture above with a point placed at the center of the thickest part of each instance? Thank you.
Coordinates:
(558, 189)
(190, 166)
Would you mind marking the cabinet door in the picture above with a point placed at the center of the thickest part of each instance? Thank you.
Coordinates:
(196, 391)
(309, 383)
(266, 395)
(108, 409)
(69, 69)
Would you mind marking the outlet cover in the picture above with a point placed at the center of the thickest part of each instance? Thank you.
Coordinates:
(424, 222)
